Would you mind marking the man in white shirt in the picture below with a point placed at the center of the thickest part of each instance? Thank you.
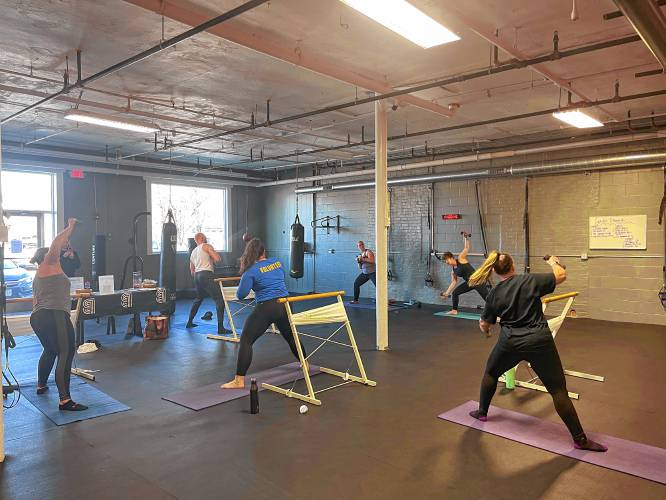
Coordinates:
(202, 264)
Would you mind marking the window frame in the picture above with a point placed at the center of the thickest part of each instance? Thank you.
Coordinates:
(193, 184)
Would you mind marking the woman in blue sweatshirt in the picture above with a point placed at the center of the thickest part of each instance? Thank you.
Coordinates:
(266, 277)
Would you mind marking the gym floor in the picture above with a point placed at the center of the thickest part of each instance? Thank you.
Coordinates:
(382, 442)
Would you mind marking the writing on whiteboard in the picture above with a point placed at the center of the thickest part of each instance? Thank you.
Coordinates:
(618, 232)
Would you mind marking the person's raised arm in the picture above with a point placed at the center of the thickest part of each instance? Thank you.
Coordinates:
(559, 272)
(59, 242)
(462, 256)
(211, 251)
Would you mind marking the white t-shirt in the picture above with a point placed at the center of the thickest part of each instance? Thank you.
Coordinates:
(201, 260)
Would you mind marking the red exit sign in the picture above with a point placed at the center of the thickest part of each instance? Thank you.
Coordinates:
(451, 216)
(77, 173)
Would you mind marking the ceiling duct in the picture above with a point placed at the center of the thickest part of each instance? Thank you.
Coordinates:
(604, 162)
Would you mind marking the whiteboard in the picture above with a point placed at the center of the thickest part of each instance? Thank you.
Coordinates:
(618, 232)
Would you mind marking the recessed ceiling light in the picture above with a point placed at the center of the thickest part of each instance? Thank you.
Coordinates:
(578, 119)
(406, 20)
(110, 121)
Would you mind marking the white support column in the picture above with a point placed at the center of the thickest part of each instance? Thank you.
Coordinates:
(381, 224)
(2, 416)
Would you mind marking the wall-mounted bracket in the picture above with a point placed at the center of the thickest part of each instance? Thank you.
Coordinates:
(325, 223)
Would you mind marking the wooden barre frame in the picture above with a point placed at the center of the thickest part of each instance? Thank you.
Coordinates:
(312, 296)
(229, 278)
(562, 296)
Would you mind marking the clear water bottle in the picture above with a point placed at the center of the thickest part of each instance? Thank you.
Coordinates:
(254, 397)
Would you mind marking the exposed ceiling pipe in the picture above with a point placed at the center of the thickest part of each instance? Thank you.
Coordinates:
(606, 162)
(20, 165)
(483, 73)
(163, 45)
(456, 160)
(18, 149)
(649, 22)
(533, 114)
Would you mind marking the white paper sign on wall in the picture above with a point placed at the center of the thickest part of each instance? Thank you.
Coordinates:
(618, 232)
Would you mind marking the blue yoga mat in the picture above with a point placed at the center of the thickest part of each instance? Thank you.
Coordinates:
(460, 315)
(98, 402)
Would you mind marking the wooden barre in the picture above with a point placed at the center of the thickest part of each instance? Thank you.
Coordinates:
(19, 300)
(553, 298)
(231, 278)
(299, 298)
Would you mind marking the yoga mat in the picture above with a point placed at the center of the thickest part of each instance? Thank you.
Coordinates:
(98, 402)
(641, 460)
(372, 305)
(460, 315)
(211, 395)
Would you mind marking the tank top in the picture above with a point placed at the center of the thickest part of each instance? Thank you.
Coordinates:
(201, 260)
(463, 271)
(51, 292)
(367, 267)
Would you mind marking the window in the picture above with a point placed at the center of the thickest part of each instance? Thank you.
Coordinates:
(29, 201)
(195, 209)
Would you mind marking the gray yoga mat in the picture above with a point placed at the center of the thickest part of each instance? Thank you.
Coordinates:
(633, 458)
(211, 395)
(98, 402)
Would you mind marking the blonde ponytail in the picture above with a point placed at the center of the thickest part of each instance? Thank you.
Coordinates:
(482, 275)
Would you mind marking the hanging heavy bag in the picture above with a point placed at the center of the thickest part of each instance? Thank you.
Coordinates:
(168, 263)
(297, 249)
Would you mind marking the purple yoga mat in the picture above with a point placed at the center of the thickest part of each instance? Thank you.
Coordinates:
(641, 460)
(211, 395)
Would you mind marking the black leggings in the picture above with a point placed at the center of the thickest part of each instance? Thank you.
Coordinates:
(362, 279)
(539, 350)
(206, 287)
(255, 326)
(464, 288)
(56, 333)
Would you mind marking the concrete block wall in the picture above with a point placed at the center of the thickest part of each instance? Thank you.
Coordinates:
(617, 289)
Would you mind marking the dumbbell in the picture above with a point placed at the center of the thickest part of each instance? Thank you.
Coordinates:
(546, 257)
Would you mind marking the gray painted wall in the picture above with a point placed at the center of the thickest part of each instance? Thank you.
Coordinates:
(617, 288)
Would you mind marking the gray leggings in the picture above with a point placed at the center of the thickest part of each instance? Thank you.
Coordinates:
(56, 334)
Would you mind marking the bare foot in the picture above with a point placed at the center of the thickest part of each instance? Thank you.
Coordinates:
(237, 383)
(452, 312)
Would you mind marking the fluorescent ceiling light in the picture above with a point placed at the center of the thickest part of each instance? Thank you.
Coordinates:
(406, 20)
(110, 121)
(578, 119)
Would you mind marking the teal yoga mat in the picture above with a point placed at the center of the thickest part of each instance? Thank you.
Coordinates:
(460, 315)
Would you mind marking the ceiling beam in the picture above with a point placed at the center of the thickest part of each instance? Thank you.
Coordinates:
(488, 34)
(279, 48)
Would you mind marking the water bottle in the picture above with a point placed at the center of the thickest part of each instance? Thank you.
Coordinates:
(254, 397)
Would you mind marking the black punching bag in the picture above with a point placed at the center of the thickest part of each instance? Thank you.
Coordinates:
(297, 249)
(168, 262)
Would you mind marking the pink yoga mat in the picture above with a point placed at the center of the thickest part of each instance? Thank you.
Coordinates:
(211, 395)
(641, 460)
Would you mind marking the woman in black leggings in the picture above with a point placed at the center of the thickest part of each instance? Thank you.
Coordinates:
(460, 268)
(50, 319)
(266, 277)
(525, 336)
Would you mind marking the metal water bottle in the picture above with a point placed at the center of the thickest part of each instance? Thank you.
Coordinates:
(254, 397)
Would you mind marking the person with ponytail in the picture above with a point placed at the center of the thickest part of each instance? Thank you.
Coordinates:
(524, 336)
(266, 276)
(461, 268)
